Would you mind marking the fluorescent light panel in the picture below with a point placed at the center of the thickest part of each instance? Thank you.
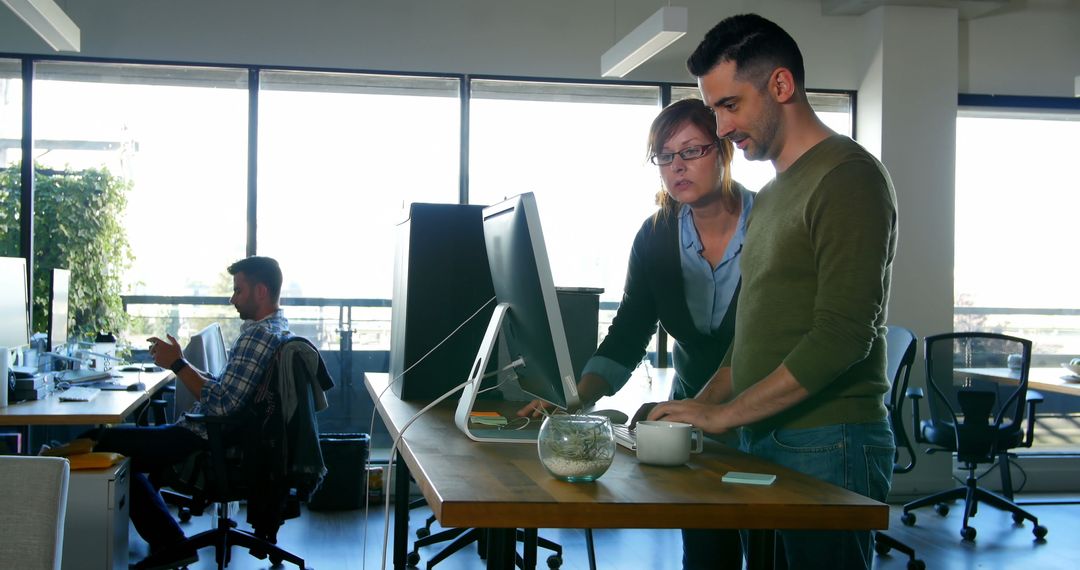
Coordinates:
(49, 21)
(654, 34)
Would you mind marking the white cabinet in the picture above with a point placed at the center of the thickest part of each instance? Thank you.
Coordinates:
(96, 526)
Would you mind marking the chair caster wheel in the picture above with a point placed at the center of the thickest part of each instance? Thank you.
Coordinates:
(554, 561)
(908, 519)
(1040, 531)
(1018, 519)
(184, 514)
(881, 548)
(941, 509)
(275, 561)
(968, 533)
(413, 558)
(916, 565)
(423, 532)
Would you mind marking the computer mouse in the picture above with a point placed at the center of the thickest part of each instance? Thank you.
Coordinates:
(136, 387)
(152, 368)
(616, 417)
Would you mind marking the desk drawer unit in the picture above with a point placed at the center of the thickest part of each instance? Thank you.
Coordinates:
(96, 525)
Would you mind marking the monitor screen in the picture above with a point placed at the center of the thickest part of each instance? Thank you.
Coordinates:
(14, 313)
(206, 350)
(533, 327)
(58, 308)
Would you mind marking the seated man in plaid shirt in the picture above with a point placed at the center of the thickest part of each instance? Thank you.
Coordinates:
(256, 293)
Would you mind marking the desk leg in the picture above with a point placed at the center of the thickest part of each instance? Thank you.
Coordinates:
(761, 552)
(528, 548)
(401, 513)
(502, 547)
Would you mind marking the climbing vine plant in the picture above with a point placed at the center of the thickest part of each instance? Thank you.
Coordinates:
(77, 226)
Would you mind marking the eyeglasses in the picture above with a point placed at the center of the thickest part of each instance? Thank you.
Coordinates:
(688, 153)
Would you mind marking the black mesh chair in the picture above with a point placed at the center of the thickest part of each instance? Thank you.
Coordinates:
(266, 454)
(976, 418)
(901, 346)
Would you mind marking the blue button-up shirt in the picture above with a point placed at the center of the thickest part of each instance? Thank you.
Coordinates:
(709, 291)
(248, 360)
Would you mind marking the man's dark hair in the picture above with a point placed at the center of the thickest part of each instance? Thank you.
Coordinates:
(757, 47)
(263, 270)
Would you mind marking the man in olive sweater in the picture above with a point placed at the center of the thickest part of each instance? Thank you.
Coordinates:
(805, 375)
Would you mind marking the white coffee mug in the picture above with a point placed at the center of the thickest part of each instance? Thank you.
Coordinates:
(667, 443)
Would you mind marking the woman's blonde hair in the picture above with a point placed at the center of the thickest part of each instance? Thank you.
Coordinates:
(673, 118)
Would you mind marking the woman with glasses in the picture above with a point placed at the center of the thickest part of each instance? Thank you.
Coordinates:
(683, 274)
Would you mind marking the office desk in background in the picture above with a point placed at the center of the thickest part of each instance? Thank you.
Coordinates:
(109, 407)
(1045, 379)
(504, 487)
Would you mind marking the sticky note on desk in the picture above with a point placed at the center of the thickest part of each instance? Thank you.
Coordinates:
(487, 419)
(748, 478)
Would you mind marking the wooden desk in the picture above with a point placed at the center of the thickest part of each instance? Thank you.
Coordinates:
(1046, 379)
(109, 407)
(504, 486)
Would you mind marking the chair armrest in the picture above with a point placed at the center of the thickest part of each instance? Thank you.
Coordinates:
(916, 394)
(1033, 399)
(218, 420)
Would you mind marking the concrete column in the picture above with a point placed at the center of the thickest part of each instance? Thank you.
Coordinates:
(907, 118)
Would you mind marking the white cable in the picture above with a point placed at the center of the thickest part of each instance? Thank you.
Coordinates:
(371, 424)
(519, 362)
(393, 452)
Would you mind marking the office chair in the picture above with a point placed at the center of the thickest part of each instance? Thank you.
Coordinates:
(463, 537)
(267, 454)
(901, 347)
(979, 420)
(33, 492)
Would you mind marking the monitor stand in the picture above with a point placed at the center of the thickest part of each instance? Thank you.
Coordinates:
(472, 388)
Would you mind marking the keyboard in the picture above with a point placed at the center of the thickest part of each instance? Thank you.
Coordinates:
(81, 375)
(625, 436)
(79, 394)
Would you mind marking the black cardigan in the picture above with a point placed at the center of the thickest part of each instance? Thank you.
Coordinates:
(654, 292)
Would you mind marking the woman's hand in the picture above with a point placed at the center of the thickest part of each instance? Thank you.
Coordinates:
(536, 409)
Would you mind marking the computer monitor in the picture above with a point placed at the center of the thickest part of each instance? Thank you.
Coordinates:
(527, 315)
(14, 310)
(58, 309)
(205, 351)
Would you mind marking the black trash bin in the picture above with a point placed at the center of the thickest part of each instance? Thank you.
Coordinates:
(345, 456)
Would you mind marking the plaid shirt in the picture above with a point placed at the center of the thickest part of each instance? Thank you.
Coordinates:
(248, 360)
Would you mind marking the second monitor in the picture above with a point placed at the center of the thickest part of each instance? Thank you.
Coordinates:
(527, 317)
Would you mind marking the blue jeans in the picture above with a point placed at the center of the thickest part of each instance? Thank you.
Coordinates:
(858, 457)
(713, 549)
(151, 449)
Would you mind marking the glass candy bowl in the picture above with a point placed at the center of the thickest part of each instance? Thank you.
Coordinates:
(576, 448)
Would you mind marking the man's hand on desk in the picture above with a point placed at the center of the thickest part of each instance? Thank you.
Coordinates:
(165, 352)
(711, 418)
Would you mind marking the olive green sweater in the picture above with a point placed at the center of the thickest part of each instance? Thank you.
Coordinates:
(816, 268)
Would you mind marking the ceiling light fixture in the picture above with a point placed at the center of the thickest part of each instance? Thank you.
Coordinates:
(654, 34)
(49, 21)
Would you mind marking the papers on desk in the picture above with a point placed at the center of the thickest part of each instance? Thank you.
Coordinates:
(487, 419)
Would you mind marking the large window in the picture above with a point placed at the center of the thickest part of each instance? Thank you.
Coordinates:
(11, 103)
(170, 145)
(341, 157)
(582, 150)
(1015, 256)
